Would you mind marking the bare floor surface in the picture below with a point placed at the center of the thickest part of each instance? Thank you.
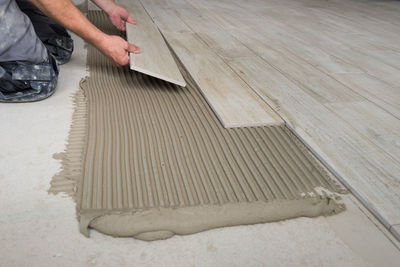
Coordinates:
(38, 229)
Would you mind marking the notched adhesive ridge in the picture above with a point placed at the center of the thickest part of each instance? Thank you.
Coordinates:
(66, 181)
(149, 159)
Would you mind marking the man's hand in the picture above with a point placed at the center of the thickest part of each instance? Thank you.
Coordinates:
(117, 49)
(66, 14)
(119, 16)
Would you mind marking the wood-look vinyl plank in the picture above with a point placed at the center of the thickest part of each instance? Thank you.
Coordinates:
(376, 124)
(343, 24)
(167, 20)
(388, 57)
(323, 88)
(155, 58)
(372, 10)
(369, 64)
(234, 102)
(219, 40)
(376, 91)
(283, 36)
(351, 52)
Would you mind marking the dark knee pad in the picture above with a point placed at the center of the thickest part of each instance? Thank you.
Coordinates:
(55, 37)
(24, 82)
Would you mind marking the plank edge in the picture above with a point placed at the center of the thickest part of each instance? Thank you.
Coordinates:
(156, 75)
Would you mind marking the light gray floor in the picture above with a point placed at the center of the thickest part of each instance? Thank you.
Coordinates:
(38, 229)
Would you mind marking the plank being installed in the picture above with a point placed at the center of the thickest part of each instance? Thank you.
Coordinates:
(232, 100)
(154, 58)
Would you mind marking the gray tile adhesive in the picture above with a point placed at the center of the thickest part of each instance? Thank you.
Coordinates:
(149, 159)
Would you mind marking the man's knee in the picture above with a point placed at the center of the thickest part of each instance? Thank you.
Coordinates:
(30, 46)
(24, 82)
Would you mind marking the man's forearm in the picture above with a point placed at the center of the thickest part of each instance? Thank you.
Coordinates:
(113, 47)
(66, 14)
(106, 5)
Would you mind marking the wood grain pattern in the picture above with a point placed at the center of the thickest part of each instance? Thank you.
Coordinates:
(377, 125)
(233, 101)
(367, 170)
(379, 92)
(330, 69)
(155, 58)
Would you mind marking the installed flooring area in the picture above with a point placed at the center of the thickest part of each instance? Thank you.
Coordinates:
(329, 71)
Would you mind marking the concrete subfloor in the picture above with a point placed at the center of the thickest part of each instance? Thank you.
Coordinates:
(38, 229)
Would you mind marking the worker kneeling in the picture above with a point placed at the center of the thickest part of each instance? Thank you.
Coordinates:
(32, 44)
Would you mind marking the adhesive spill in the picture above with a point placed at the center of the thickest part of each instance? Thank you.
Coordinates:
(149, 159)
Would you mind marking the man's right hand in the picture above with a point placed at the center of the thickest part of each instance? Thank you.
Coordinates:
(117, 49)
(66, 14)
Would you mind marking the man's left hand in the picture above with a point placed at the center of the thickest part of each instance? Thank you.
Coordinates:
(119, 16)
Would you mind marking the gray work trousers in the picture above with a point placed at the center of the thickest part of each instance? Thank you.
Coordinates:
(18, 40)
